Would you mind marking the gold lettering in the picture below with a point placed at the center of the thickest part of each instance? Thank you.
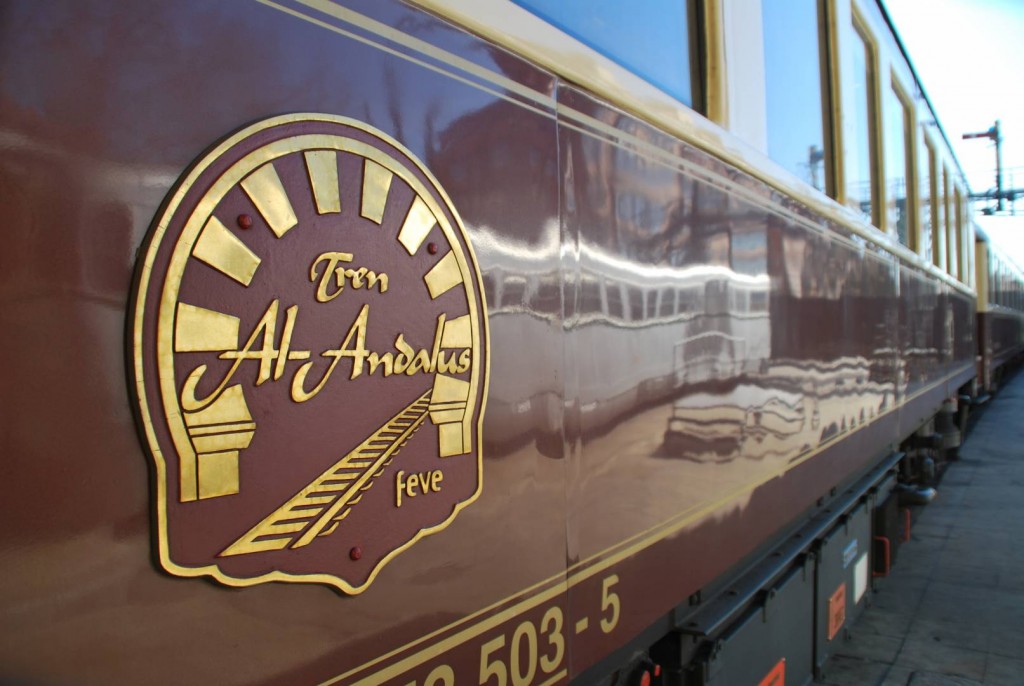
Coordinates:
(272, 359)
(359, 352)
(358, 355)
(420, 363)
(447, 365)
(358, 278)
(356, 275)
(386, 360)
(464, 360)
(405, 354)
(273, 355)
(286, 340)
(379, 280)
(420, 483)
(332, 259)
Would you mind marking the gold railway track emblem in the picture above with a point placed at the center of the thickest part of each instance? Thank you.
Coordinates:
(309, 342)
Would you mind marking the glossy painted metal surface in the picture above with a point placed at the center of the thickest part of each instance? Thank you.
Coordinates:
(683, 361)
(103, 108)
(738, 358)
(1000, 340)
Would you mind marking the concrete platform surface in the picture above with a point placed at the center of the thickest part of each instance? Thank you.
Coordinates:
(951, 613)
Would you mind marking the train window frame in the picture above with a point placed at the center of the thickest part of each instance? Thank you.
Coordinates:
(910, 212)
(971, 238)
(696, 49)
(966, 238)
(981, 275)
(958, 206)
(947, 199)
(824, 14)
(926, 244)
(701, 42)
(938, 210)
(862, 33)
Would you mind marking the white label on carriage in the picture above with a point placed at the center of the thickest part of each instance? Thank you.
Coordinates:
(860, 578)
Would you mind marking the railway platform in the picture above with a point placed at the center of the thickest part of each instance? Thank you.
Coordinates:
(951, 613)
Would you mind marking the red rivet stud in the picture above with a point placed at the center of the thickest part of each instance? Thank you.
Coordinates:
(432, 248)
(244, 221)
(355, 553)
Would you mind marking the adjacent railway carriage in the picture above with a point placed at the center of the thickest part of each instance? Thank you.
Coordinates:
(462, 342)
(1000, 308)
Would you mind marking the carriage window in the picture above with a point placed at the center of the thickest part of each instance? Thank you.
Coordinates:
(968, 249)
(958, 233)
(861, 192)
(941, 190)
(652, 39)
(998, 299)
(947, 201)
(899, 165)
(795, 90)
(928, 211)
(963, 236)
(993, 281)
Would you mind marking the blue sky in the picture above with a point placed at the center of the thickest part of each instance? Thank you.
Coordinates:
(969, 54)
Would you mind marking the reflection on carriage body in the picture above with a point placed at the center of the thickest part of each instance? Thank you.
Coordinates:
(537, 349)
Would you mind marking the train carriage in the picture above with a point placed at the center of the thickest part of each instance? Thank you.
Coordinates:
(999, 341)
(450, 342)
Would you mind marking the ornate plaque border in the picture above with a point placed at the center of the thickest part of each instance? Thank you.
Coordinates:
(139, 316)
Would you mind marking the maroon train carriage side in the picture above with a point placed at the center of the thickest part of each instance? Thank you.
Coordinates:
(533, 368)
(1000, 320)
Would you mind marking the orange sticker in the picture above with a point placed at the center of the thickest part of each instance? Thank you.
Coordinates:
(836, 611)
(776, 677)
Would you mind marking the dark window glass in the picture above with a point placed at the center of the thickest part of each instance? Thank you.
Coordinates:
(860, 186)
(650, 38)
(898, 169)
(793, 87)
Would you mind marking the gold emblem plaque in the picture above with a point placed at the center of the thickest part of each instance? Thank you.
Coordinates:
(310, 357)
